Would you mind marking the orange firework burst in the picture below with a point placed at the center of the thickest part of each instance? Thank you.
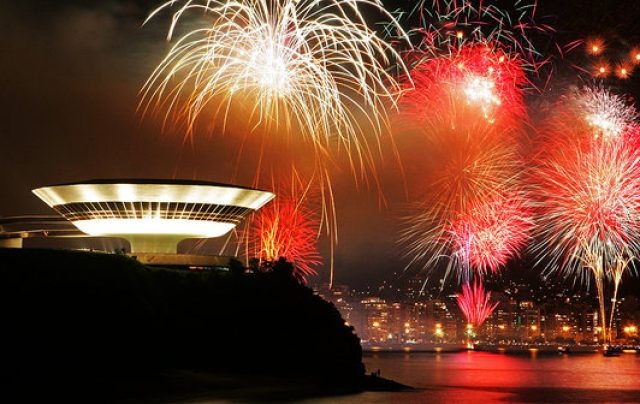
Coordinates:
(595, 46)
(623, 71)
(289, 228)
(634, 56)
(601, 68)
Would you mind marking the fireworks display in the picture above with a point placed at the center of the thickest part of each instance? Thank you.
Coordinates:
(590, 202)
(475, 304)
(470, 108)
(289, 227)
(587, 187)
(474, 214)
(588, 178)
(610, 115)
(475, 78)
(305, 66)
(490, 234)
(614, 61)
(313, 70)
(493, 176)
(445, 26)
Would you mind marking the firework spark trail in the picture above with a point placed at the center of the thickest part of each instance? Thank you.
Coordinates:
(444, 26)
(615, 273)
(288, 227)
(474, 303)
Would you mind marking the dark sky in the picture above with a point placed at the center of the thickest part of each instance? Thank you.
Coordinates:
(70, 74)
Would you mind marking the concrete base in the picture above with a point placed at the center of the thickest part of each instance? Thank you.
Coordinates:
(11, 242)
(183, 260)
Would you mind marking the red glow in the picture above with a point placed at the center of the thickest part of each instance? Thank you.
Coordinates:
(623, 71)
(601, 68)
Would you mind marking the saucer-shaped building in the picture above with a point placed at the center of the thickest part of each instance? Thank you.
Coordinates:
(153, 215)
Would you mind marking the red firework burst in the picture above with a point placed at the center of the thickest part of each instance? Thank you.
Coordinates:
(587, 190)
(288, 228)
(476, 81)
(589, 115)
(474, 210)
(491, 233)
(474, 303)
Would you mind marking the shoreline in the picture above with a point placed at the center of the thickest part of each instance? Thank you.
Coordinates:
(185, 386)
(453, 348)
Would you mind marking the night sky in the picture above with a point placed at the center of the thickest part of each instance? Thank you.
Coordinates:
(71, 72)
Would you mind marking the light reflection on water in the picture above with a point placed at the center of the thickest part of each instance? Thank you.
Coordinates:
(480, 377)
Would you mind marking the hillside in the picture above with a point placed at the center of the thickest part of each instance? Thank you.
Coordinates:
(82, 321)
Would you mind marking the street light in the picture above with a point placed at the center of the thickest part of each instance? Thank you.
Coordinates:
(565, 328)
(534, 327)
(439, 331)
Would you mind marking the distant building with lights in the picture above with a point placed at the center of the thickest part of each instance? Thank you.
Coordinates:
(411, 320)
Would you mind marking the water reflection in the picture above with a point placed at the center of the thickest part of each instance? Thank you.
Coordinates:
(480, 377)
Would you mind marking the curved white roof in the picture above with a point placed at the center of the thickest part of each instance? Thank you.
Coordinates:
(156, 191)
